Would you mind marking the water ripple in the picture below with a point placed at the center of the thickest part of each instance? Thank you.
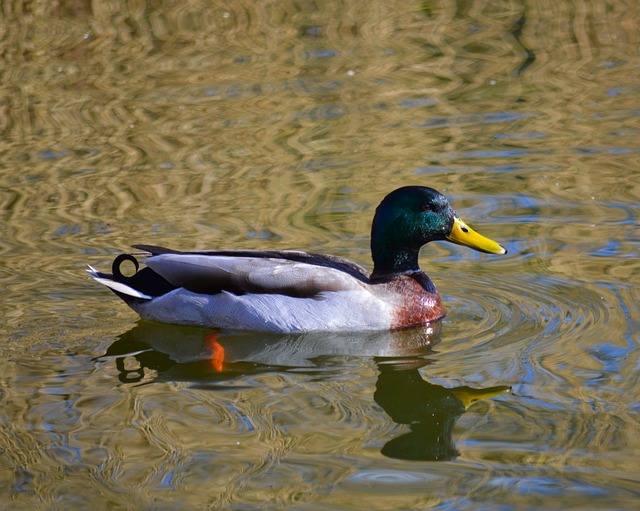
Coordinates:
(524, 308)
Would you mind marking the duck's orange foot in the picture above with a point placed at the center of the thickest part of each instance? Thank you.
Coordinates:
(217, 351)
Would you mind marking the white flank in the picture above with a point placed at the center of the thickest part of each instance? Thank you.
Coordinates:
(332, 311)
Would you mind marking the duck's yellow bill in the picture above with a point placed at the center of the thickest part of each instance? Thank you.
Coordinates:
(462, 234)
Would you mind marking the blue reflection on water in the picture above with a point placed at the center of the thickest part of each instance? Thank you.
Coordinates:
(481, 118)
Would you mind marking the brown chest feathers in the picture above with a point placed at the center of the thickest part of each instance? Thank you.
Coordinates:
(411, 303)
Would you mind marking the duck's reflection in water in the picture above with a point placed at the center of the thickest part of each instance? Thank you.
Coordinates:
(429, 410)
(210, 360)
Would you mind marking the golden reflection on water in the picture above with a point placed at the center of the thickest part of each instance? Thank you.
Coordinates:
(281, 125)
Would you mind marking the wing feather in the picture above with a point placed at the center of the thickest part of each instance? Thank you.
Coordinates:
(210, 274)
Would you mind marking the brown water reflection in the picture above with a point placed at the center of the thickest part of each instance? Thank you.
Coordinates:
(258, 124)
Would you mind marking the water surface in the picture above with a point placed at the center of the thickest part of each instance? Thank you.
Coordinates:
(282, 125)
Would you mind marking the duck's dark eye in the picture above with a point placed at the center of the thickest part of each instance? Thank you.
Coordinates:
(426, 207)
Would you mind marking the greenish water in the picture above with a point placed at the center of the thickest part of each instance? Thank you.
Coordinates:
(282, 125)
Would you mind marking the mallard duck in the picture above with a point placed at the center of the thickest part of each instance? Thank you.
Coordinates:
(291, 291)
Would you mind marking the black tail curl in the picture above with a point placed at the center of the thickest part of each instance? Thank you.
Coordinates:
(146, 280)
(115, 266)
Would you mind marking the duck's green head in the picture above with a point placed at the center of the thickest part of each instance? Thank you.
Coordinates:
(412, 216)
